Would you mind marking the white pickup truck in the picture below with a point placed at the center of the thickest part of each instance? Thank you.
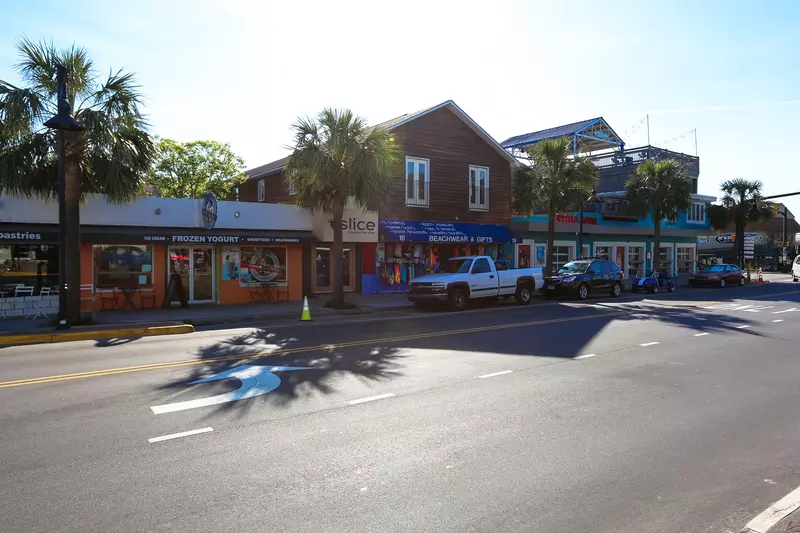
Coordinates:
(460, 279)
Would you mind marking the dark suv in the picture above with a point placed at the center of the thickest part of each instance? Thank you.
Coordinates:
(583, 277)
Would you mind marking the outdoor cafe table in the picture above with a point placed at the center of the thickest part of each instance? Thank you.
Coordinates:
(262, 292)
(128, 293)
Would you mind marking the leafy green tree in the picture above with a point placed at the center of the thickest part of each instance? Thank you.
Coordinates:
(338, 157)
(189, 170)
(659, 189)
(110, 156)
(742, 204)
(556, 181)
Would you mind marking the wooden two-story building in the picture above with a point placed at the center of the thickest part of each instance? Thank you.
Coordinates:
(451, 196)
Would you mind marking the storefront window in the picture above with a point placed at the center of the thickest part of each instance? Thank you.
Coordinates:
(665, 259)
(262, 265)
(28, 264)
(561, 256)
(540, 251)
(602, 252)
(118, 265)
(685, 260)
(635, 261)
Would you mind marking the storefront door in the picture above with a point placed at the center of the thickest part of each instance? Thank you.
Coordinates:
(323, 268)
(196, 267)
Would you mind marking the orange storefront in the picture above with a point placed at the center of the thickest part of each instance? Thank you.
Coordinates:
(133, 269)
(162, 252)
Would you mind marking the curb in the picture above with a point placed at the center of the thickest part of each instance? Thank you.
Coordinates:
(40, 338)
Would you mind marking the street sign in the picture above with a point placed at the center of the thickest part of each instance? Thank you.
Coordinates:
(256, 380)
(749, 245)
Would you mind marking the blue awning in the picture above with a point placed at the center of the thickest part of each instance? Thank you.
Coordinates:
(443, 232)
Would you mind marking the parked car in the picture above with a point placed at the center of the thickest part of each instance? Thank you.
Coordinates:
(796, 269)
(654, 283)
(461, 279)
(584, 277)
(718, 276)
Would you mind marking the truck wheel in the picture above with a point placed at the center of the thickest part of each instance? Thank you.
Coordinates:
(457, 300)
(583, 291)
(523, 295)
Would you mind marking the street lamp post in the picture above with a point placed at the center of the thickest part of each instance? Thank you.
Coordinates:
(62, 122)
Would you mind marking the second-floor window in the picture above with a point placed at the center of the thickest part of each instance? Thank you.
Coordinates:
(696, 213)
(261, 191)
(290, 185)
(418, 180)
(478, 188)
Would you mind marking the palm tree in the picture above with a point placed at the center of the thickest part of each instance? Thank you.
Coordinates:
(336, 158)
(741, 200)
(557, 180)
(659, 189)
(110, 156)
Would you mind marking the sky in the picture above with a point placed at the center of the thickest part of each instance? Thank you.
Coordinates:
(241, 71)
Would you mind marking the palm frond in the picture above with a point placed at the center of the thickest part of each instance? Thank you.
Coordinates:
(23, 110)
(28, 165)
(659, 188)
(337, 156)
(37, 65)
(117, 153)
(557, 178)
(118, 96)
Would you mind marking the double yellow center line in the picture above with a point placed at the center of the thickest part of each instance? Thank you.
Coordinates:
(288, 351)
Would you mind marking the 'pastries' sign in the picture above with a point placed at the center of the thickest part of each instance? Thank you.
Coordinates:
(21, 236)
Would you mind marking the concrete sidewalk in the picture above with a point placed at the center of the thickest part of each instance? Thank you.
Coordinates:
(203, 315)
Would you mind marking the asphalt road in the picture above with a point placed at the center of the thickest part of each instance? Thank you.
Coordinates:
(671, 413)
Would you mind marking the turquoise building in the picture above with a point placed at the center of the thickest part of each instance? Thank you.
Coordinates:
(607, 229)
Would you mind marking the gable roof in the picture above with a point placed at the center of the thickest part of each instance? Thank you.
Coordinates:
(276, 166)
(269, 168)
(457, 111)
(569, 130)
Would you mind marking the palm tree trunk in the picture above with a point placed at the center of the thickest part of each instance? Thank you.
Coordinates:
(551, 238)
(656, 242)
(337, 265)
(73, 239)
(740, 223)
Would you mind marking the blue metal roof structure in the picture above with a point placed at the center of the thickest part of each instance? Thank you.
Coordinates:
(588, 135)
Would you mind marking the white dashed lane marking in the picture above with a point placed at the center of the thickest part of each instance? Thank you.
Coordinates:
(742, 327)
(701, 334)
(493, 374)
(179, 435)
(586, 356)
(371, 399)
(646, 344)
(778, 320)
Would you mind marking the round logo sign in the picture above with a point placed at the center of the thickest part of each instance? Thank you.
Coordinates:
(209, 210)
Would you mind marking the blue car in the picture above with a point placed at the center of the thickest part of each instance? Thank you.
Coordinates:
(655, 282)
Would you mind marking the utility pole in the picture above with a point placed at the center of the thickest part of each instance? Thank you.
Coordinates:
(648, 130)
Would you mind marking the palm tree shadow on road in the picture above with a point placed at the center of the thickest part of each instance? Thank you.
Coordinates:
(323, 367)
